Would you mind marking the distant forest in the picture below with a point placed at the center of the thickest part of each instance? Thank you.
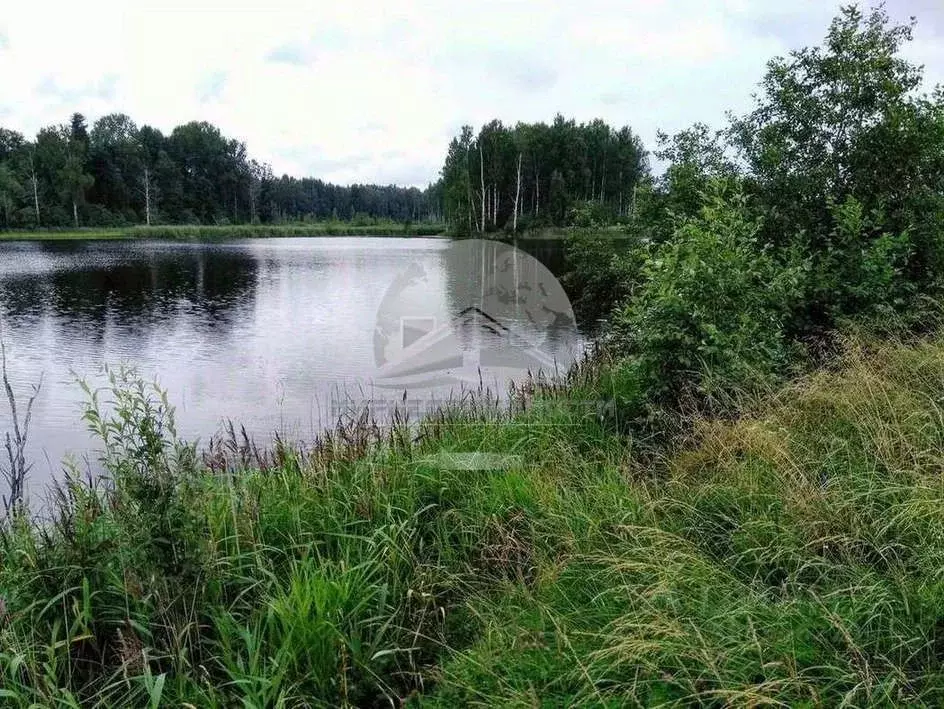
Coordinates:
(535, 174)
(118, 174)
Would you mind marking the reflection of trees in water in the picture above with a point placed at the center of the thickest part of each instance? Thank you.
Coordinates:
(523, 292)
(107, 306)
(145, 284)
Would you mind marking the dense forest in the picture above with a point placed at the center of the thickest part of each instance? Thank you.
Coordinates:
(537, 174)
(117, 174)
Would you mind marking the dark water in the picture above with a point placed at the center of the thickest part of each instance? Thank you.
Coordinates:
(269, 333)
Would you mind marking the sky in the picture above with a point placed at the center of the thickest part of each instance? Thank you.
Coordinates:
(370, 91)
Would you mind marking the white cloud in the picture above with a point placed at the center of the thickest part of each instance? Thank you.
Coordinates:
(358, 91)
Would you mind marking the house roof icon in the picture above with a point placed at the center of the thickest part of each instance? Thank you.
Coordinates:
(461, 350)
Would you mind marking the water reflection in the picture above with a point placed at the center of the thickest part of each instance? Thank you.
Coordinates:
(265, 332)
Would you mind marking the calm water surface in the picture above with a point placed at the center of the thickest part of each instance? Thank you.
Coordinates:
(263, 332)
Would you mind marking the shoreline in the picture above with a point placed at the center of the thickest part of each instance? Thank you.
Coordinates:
(275, 231)
(224, 232)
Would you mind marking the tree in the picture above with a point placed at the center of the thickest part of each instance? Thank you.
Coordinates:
(697, 157)
(75, 180)
(116, 173)
(842, 122)
(115, 159)
(513, 170)
(457, 184)
(10, 191)
(73, 175)
(818, 107)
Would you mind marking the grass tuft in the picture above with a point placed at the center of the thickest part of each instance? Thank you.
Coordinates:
(790, 555)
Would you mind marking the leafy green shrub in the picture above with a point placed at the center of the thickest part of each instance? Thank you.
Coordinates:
(602, 271)
(710, 312)
(148, 465)
(589, 214)
(861, 269)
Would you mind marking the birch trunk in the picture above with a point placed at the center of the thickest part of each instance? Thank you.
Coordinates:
(482, 184)
(514, 227)
(147, 196)
(495, 200)
(35, 188)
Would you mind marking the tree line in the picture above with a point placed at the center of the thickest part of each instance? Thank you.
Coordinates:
(539, 174)
(119, 174)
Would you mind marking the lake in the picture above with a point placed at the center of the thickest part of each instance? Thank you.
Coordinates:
(273, 334)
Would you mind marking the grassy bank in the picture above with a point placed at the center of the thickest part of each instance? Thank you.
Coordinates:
(794, 556)
(226, 232)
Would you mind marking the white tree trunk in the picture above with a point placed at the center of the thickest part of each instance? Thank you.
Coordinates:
(514, 227)
(35, 188)
(482, 184)
(75, 214)
(147, 196)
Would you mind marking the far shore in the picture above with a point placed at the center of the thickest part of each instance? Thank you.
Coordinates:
(226, 231)
(318, 229)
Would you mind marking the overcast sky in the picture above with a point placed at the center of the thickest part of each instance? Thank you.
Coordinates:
(355, 91)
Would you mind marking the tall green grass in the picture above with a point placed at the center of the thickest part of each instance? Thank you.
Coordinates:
(793, 555)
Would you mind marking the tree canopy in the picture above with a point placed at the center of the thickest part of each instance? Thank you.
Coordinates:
(116, 174)
(535, 174)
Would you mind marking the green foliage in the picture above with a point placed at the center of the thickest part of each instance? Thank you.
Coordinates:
(845, 160)
(582, 174)
(603, 269)
(791, 556)
(589, 215)
(710, 311)
(858, 271)
(842, 170)
(696, 158)
(120, 174)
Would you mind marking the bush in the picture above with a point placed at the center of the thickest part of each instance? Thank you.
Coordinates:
(98, 216)
(710, 312)
(589, 213)
(861, 269)
(602, 271)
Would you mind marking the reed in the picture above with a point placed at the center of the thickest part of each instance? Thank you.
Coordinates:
(790, 554)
